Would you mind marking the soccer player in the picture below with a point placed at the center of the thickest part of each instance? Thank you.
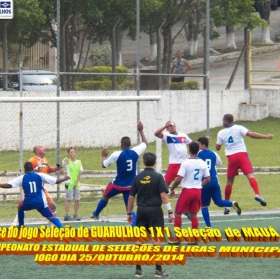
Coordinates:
(176, 143)
(212, 189)
(74, 170)
(126, 161)
(151, 191)
(194, 175)
(34, 196)
(41, 165)
(232, 136)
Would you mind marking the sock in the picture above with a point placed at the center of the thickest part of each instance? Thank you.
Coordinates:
(101, 205)
(206, 216)
(194, 222)
(57, 222)
(228, 190)
(21, 218)
(138, 267)
(158, 267)
(177, 223)
(254, 184)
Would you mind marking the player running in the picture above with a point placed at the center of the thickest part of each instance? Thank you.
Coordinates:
(212, 189)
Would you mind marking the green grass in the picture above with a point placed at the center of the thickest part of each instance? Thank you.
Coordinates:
(23, 267)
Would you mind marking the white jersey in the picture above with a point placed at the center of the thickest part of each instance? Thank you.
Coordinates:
(193, 170)
(18, 181)
(232, 137)
(177, 146)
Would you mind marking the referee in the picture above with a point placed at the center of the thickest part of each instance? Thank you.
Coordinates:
(151, 191)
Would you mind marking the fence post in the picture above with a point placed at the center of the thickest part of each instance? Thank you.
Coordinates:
(248, 67)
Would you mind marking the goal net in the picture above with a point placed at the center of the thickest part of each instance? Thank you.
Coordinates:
(85, 123)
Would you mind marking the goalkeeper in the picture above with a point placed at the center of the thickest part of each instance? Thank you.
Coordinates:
(41, 165)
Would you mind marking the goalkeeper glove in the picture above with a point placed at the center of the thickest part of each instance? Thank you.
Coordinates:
(40, 167)
(64, 162)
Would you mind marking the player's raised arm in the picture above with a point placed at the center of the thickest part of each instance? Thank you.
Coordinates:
(104, 154)
(159, 133)
(140, 128)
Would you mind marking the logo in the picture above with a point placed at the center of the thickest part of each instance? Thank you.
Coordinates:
(6, 9)
(146, 180)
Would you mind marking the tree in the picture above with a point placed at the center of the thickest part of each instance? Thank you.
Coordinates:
(25, 29)
(73, 34)
(173, 12)
(234, 13)
(263, 7)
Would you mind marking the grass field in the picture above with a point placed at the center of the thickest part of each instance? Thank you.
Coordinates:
(261, 152)
(23, 267)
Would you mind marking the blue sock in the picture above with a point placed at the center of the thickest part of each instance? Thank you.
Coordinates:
(101, 205)
(223, 203)
(57, 222)
(206, 216)
(21, 218)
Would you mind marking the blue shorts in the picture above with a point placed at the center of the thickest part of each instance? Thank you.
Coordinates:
(210, 191)
(113, 190)
(45, 212)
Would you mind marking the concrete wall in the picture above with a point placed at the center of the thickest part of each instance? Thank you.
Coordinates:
(104, 123)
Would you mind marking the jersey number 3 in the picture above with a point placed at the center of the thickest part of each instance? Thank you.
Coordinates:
(129, 165)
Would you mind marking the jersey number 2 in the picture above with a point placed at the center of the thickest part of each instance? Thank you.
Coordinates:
(195, 177)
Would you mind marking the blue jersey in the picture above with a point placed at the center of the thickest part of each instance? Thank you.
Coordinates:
(212, 159)
(126, 161)
(126, 168)
(32, 184)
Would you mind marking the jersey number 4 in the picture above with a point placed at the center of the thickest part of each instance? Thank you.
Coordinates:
(230, 139)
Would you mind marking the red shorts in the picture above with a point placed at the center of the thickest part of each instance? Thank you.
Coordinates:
(238, 161)
(189, 200)
(172, 172)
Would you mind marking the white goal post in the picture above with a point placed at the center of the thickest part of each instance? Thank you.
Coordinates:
(100, 120)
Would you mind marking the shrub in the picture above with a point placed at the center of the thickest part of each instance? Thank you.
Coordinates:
(102, 82)
(103, 69)
(103, 85)
(193, 85)
(126, 86)
(94, 85)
